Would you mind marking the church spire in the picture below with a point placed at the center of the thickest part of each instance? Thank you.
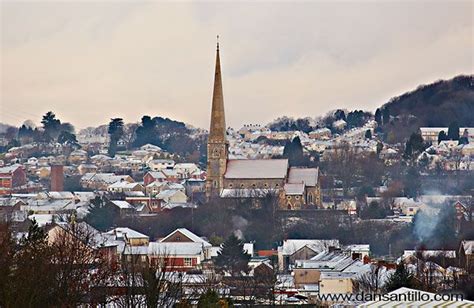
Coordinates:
(217, 130)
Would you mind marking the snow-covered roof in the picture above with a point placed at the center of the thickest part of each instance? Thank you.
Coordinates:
(122, 204)
(169, 172)
(157, 174)
(175, 249)
(104, 177)
(468, 247)
(57, 195)
(256, 169)
(129, 233)
(168, 193)
(190, 235)
(124, 185)
(185, 166)
(307, 175)
(294, 188)
(10, 169)
(358, 247)
(150, 147)
(291, 246)
(176, 186)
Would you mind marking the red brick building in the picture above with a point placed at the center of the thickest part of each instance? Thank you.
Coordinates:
(57, 178)
(11, 178)
(153, 176)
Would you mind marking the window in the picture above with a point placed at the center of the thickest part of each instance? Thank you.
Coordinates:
(288, 197)
(215, 184)
(310, 198)
(241, 185)
(188, 262)
(297, 197)
(276, 185)
(230, 185)
(265, 185)
(253, 185)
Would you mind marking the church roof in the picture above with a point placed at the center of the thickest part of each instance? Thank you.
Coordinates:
(294, 189)
(309, 176)
(256, 169)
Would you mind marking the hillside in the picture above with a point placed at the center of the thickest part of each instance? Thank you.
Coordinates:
(436, 104)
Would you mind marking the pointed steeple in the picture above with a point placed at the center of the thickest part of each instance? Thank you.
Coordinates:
(217, 130)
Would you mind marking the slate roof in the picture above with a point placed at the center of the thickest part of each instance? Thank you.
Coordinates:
(294, 188)
(256, 169)
(309, 176)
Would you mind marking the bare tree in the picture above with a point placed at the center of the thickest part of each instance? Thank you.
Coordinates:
(152, 282)
(81, 268)
(371, 281)
(343, 164)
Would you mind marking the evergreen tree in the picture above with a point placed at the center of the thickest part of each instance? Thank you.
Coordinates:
(101, 216)
(210, 299)
(340, 115)
(385, 116)
(373, 211)
(356, 118)
(294, 152)
(146, 133)
(379, 147)
(116, 132)
(414, 145)
(368, 134)
(68, 138)
(401, 278)
(378, 117)
(408, 150)
(453, 131)
(51, 126)
(232, 257)
(411, 182)
(463, 140)
(442, 136)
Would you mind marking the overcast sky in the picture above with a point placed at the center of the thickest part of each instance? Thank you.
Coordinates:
(91, 61)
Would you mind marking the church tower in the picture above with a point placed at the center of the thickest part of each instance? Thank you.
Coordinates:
(217, 145)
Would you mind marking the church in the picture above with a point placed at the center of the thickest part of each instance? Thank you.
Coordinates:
(295, 187)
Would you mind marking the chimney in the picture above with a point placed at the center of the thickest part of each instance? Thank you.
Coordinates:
(57, 178)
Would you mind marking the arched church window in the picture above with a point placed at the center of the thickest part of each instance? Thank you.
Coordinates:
(215, 184)
(310, 198)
